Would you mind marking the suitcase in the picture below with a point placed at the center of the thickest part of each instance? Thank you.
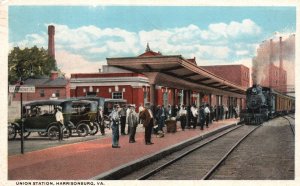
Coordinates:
(171, 126)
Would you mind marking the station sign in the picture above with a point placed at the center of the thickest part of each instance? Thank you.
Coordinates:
(21, 89)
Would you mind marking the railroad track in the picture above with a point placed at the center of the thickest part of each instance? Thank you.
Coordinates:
(200, 160)
(291, 126)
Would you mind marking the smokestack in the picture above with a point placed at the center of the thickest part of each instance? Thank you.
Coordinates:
(280, 52)
(51, 49)
(270, 62)
(281, 79)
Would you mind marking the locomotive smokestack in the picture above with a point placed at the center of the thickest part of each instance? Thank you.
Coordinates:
(51, 48)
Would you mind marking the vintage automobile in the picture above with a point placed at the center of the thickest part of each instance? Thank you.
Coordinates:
(83, 116)
(99, 120)
(39, 116)
(109, 103)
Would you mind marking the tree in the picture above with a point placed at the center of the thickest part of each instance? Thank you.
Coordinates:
(29, 62)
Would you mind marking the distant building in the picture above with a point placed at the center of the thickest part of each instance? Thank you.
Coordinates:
(46, 87)
(268, 64)
(238, 74)
(275, 78)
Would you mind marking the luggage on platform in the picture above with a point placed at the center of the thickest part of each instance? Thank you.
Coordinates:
(171, 125)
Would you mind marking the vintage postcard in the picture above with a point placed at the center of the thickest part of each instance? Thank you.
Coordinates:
(98, 91)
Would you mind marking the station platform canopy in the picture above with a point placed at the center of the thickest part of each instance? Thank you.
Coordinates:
(177, 72)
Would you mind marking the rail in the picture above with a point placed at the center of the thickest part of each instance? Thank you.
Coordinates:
(149, 174)
(217, 165)
(291, 126)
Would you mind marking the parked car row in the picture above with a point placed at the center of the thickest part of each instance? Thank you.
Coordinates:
(82, 116)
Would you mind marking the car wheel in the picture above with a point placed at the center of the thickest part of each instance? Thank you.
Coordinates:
(67, 133)
(25, 134)
(53, 132)
(82, 130)
(43, 134)
(11, 132)
(94, 129)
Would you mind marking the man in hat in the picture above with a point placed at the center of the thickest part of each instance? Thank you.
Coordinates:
(132, 120)
(147, 119)
(60, 119)
(115, 119)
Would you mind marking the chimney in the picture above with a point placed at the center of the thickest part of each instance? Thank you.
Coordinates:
(281, 79)
(280, 52)
(54, 75)
(270, 63)
(51, 49)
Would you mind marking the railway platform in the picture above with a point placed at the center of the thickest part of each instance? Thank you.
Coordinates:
(96, 159)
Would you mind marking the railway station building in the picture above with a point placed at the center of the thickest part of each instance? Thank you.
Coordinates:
(162, 80)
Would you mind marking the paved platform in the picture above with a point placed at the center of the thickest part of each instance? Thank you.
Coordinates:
(89, 159)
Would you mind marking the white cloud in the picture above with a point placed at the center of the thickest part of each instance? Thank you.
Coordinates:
(31, 40)
(241, 52)
(235, 29)
(87, 44)
(72, 63)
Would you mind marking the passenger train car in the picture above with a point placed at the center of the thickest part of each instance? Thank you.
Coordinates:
(264, 103)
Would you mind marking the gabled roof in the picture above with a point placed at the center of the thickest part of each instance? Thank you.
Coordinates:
(193, 60)
(47, 82)
(149, 53)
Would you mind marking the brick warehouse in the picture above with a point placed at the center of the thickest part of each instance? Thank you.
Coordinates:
(46, 88)
(274, 76)
(238, 74)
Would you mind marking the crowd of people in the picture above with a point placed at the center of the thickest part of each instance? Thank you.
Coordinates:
(189, 117)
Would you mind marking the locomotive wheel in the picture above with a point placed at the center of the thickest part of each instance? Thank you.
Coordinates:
(82, 130)
(94, 129)
(43, 134)
(53, 132)
(12, 132)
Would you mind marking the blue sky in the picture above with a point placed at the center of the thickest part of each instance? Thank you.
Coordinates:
(86, 35)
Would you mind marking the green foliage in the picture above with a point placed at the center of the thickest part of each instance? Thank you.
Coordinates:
(29, 62)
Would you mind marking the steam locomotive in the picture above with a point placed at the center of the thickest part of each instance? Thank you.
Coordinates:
(264, 103)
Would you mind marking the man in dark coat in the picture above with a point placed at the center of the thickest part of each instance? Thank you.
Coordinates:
(161, 116)
(188, 116)
(147, 119)
(201, 117)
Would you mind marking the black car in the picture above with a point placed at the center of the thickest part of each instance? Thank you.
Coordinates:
(39, 116)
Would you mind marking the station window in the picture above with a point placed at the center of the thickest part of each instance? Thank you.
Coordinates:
(57, 93)
(42, 93)
(117, 95)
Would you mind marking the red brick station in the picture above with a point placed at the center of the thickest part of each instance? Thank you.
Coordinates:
(164, 79)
